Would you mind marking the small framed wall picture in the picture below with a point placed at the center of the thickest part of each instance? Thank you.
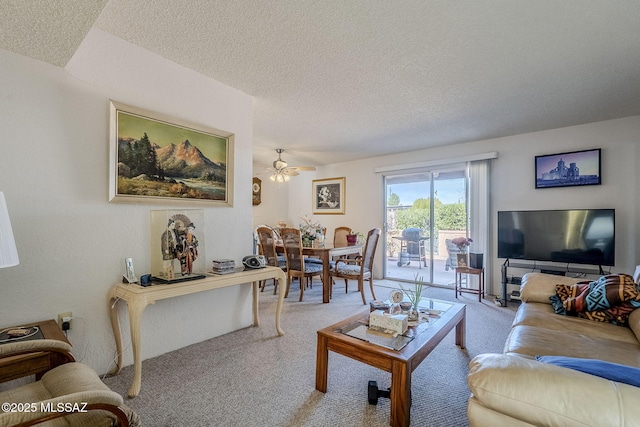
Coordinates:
(576, 168)
(329, 196)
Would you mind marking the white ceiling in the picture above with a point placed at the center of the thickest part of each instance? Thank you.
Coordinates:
(339, 80)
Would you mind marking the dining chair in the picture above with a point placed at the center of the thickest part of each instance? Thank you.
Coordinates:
(296, 265)
(360, 268)
(340, 239)
(317, 260)
(267, 247)
(256, 239)
(340, 236)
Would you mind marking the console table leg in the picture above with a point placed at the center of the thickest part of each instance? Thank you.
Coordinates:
(282, 285)
(135, 313)
(115, 325)
(256, 320)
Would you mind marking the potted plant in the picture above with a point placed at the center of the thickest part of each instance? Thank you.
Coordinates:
(414, 295)
(352, 238)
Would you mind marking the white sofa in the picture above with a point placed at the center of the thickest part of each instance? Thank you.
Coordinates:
(515, 389)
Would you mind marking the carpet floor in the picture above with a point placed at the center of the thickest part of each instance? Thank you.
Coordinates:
(252, 377)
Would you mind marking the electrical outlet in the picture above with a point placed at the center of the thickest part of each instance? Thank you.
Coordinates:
(65, 317)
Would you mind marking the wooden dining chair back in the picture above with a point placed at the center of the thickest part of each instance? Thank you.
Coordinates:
(340, 236)
(267, 244)
(360, 268)
(296, 265)
(256, 238)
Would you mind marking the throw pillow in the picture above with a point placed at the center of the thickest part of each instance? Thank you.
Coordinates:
(606, 292)
(607, 370)
(611, 299)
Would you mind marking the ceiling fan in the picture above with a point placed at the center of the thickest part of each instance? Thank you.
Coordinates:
(281, 172)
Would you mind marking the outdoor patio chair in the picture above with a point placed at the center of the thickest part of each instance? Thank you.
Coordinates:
(452, 259)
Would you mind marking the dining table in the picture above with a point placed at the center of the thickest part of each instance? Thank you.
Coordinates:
(326, 253)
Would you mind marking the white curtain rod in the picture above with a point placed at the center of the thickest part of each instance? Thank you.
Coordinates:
(439, 162)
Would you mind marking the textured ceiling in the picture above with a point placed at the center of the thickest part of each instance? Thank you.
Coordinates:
(48, 30)
(338, 80)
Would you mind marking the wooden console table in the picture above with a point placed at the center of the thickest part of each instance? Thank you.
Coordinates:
(138, 297)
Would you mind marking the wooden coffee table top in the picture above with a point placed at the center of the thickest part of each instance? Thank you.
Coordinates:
(426, 335)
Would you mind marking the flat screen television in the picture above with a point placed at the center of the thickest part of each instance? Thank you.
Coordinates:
(580, 236)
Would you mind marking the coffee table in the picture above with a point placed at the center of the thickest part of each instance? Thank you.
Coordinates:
(400, 363)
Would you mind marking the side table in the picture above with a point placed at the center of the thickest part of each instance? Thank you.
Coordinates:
(473, 271)
(30, 363)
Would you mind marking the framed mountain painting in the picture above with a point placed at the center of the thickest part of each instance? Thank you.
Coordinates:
(158, 159)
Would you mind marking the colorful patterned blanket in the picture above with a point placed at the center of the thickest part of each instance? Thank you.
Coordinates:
(611, 299)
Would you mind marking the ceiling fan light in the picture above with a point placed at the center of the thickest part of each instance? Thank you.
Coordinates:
(279, 164)
(282, 173)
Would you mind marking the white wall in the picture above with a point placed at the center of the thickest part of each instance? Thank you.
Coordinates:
(71, 241)
(512, 183)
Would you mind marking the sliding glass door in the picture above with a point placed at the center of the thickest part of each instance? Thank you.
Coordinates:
(424, 212)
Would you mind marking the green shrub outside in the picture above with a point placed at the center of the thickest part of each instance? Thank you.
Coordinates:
(447, 217)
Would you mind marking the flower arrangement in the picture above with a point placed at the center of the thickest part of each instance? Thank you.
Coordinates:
(309, 228)
(462, 243)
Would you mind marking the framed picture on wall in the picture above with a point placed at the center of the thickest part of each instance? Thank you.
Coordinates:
(575, 168)
(329, 196)
(159, 159)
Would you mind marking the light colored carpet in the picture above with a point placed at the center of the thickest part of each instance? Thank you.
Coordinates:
(252, 377)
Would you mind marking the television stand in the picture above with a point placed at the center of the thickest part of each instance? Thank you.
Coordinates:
(543, 268)
(554, 272)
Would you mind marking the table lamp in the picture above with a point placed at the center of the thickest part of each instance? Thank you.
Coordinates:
(8, 251)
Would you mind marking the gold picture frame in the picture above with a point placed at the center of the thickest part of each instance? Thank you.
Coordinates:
(329, 196)
(158, 159)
